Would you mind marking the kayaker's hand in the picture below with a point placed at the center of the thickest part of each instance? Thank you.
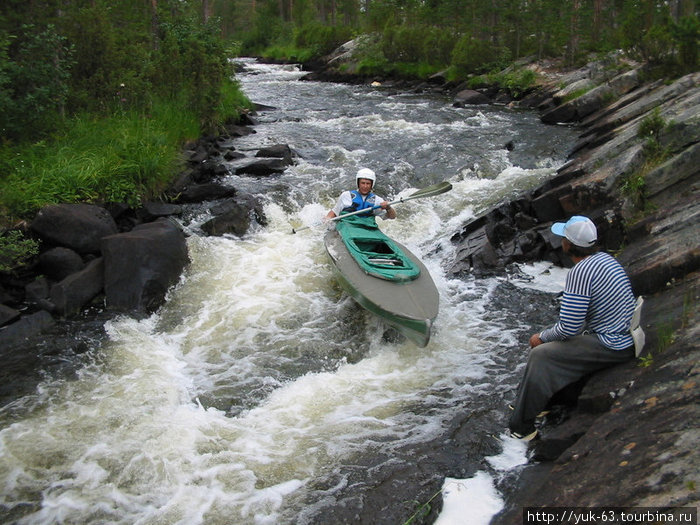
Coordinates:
(390, 212)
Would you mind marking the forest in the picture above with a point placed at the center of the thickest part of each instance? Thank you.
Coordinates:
(97, 97)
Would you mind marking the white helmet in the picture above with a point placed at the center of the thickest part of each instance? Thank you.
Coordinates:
(366, 173)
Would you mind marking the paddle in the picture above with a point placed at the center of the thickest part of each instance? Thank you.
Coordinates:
(430, 191)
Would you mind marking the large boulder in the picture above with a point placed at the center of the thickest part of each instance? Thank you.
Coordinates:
(80, 227)
(141, 265)
(235, 216)
(75, 291)
(468, 97)
(58, 263)
(264, 167)
(204, 192)
(279, 151)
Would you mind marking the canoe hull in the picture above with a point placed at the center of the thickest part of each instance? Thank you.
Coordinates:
(410, 307)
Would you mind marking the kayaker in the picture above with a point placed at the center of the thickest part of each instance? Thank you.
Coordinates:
(362, 198)
(593, 331)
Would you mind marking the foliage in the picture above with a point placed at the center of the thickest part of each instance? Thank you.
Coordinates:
(34, 72)
(471, 55)
(118, 159)
(320, 38)
(16, 250)
(649, 130)
(687, 34)
(516, 82)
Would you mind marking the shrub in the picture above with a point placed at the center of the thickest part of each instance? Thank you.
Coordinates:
(471, 55)
(686, 33)
(16, 250)
(34, 72)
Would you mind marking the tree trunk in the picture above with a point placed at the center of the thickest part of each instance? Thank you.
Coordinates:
(154, 24)
(573, 32)
(206, 10)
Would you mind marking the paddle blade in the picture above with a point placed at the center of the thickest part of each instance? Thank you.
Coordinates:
(430, 191)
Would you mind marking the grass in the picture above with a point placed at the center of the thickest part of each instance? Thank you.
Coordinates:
(121, 158)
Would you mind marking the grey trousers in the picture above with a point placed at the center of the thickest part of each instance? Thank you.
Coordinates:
(552, 366)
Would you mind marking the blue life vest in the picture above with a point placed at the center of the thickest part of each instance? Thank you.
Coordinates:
(360, 203)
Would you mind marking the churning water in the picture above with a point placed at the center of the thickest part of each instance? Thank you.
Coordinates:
(260, 393)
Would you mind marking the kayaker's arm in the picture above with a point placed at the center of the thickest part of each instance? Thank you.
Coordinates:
(390, 212)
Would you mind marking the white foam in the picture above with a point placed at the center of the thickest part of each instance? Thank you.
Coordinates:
(543, 276)
(474, 501)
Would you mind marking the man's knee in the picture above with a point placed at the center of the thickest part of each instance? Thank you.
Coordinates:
(540, 353)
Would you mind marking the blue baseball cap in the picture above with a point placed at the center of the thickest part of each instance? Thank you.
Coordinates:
(578, 230)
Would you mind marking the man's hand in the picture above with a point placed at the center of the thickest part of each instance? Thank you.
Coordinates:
(390, 212)
(535, 340)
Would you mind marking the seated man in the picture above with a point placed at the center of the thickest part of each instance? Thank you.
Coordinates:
(593, 331)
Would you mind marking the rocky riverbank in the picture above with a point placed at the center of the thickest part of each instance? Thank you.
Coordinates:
(627, 436)
(98, 261)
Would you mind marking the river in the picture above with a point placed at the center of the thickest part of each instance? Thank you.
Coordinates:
(260, 393)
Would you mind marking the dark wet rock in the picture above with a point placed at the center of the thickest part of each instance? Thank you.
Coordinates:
(205, 192)
(280, 151)
(77, 226)
(235, 216)
(469, 97)
(75, 291)
(26, 328)
(37, 291)
(140, 266)
(150, 211)
(8, 314)
(265, 167)
(58, 263)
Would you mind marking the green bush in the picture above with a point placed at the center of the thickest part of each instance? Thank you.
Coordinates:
(34, 73)
(687, 35)
(471, 55)
(649, 130)
(15, 250)
(417, 44)
(320, 38)
(123, 158)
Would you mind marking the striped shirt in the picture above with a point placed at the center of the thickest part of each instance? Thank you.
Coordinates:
(597, 298)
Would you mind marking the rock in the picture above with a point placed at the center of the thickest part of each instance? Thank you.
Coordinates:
(668, 250)
(280, 151)
(141, 265)
(75, 291)
(8, 315)
(233, 155)
(27, 327)
(235, 216)
(593, 100)
(205, 192)
(37, 291)
(151, 211)
(470, 97)
(265, 167)
(77, 226)
(58, 263)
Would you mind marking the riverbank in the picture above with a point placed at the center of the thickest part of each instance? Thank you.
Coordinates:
(629, 436)
(514, 216)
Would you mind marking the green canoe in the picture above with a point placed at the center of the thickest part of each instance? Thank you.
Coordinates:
(384, 277)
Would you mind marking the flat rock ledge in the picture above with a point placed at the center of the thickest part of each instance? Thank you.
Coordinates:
(629, 436)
